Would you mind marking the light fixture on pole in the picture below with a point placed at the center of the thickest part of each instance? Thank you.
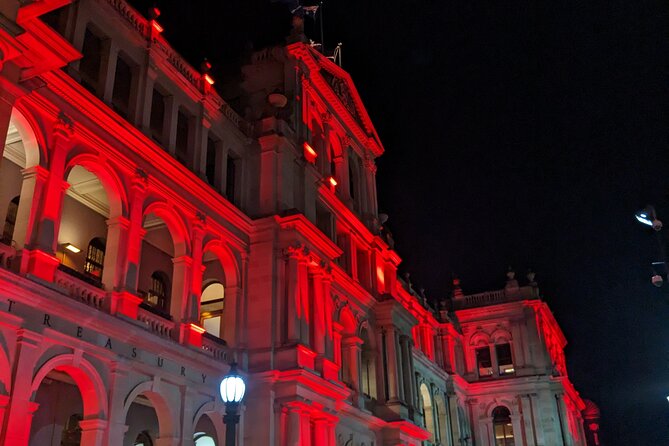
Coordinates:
(647, 217)
(233, 388)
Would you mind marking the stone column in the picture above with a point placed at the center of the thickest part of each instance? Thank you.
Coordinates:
(518, 437)
(92, 432)
(118, 390)
(107, 70)
(536, 416)
(200, 146)
(181, 285)
(169, 138)
(32, 188)
(135, 231)
(41, 260)
(400, 358)
(117, 242)
(193, 309)
(528, 427)
(318, 305)
(329, 311)
(297, 295)
(351, 347)
(6, 107)
(19, 414)
(408, 372)
(146, 97)
(392, 360)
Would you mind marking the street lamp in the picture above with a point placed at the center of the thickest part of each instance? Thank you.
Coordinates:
(648, 217)
(232, 392)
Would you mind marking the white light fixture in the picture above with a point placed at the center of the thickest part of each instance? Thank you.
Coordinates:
(233, 386)
(647, 217)
(70, 247)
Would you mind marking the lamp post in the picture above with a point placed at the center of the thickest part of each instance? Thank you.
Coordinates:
(648, 217)
(232, 392)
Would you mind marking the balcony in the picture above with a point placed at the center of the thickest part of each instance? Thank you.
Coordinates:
(495, 297)
(79, 289)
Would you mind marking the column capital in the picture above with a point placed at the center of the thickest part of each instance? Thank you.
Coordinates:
(183, 260)
(63, 126)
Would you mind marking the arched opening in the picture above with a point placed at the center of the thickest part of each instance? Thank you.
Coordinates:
(428, 410)
(502, 426)
(83, 226)
(156, 269)
(142, 421)
(205, 432)
(20, 151)
(212, 305)
(368, 366)
(56, 421)
(347, 348)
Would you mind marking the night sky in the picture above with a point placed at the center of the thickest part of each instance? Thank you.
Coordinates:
(516, 133)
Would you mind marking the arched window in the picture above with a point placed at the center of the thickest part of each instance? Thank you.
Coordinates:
(212, 304)
(95, 258)
(504, 359)
(157, 295)
(428, 410)
(501, 419)
(10, 221)
(143, 439)
(203, 439)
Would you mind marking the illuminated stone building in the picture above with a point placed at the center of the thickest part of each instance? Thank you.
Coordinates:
(151, 235)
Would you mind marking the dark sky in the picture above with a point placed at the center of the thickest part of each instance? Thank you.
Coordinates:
(516, 133)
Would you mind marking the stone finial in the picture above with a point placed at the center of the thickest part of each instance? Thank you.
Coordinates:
(511, 282)
(457, 291)
(530, 277)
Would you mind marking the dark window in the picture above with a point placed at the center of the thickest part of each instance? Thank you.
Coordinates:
(324, 220)
(122, 86)
(501, 419)
(351, 179)
(10, 221)
(157, 115)
(157, 296)
(484, 362)
(212, 158)
(57, 19)
(89, 67)
(182, 138)
(71, 435)
(231, 179)
(95, 258)
(504, 359)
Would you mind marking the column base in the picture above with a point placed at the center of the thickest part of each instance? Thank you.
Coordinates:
(125, 303)
(328, 369)
(39, 264)
(191, 334)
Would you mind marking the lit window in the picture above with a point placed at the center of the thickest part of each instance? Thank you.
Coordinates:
(504, 359)
(484, 362)
(157, 296)
(212, 304)
(501, 419)
(95, 258)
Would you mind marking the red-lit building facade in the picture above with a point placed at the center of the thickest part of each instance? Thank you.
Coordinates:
(151, 234)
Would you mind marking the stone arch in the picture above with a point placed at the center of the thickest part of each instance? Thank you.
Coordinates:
(175, 225)
(500, 336)
(86, 377)
(167, 427)
(32, 136)
(111, 181)
(206, 409)
(479, 339)
(229, 261)
(496, 403)
(347, 321)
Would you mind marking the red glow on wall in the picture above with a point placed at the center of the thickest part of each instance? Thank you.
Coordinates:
(309, 153)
